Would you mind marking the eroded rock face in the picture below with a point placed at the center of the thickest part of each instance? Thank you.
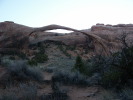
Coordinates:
(100, 24)
(101, 27)
(123, 25)
(13, 35)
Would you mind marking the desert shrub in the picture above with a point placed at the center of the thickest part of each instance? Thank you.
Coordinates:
(28, 92)
(115, 70)
(22, 55)
(71, 47)
(121, 68)
(112, 78)
(5, 61)
(9, 96)
(55, 86)
(21, 92)
(97, 64)
(0, 60)
(15, 53)
(108, 95)
(70, 78)
(39, 57)
(125, 62)
(79, 65)
(91, 68)
(95, 79)
(12, 57)
(20, 71)
(64, 50)
(49, 69)
(110, 75)
(42, 49)
(61, 47)
(32, 62)
(127, 94)
(54, 96)
(34, 73)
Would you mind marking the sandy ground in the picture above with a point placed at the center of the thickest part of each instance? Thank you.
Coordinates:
(74, 92)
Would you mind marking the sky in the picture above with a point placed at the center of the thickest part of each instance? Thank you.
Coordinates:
(78, 14)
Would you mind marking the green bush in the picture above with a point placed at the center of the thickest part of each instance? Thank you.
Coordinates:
(120, 69)
(112, 78)
(39, 57)
(80, 66)
(96, 64)
(71, 47)
(42, 49)
(64, 50)
(115, 70)
(32, 62)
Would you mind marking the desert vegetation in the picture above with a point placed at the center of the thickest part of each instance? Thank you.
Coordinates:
(39, 57)
(113, 73)
(57, 69)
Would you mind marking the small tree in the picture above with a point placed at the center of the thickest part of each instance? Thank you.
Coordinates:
(79, 65)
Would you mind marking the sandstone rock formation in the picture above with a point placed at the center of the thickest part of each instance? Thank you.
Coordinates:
(99, 28)
(16, 37)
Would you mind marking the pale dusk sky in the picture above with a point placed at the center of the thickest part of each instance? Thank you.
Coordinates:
(79, 14)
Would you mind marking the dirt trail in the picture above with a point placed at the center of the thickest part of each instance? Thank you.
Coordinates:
(44, 89)
(74, 92)
(83, 93)
(47, 76)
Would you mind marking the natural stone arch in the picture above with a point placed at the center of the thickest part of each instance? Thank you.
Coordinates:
(93, 37)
